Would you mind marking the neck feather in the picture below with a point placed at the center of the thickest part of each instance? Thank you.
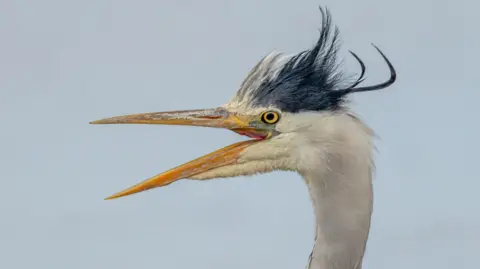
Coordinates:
(341, 193)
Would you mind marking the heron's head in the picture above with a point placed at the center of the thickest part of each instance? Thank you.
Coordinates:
(278, 106)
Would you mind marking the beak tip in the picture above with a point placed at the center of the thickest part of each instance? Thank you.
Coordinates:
(103, 121)
(114, 120)
(95, 121)
(115, 196)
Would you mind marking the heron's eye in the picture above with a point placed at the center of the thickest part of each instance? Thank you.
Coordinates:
(270, 117)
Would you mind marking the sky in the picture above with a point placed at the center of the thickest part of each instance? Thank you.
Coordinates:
(65, 63)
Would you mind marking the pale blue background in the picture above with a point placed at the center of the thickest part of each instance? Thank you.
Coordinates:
(65, 63)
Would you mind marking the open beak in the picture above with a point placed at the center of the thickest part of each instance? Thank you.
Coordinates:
(216, 118)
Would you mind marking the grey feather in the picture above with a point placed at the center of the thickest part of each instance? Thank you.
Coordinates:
(306, 81)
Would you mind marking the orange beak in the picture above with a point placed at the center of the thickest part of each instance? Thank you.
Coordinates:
(216, 118)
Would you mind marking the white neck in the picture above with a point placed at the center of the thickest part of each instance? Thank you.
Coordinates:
(341, 192)
(333, 153)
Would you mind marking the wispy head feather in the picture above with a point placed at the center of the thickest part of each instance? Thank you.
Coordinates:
(308, 81)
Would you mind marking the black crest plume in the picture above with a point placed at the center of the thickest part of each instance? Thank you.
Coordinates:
(309, 80)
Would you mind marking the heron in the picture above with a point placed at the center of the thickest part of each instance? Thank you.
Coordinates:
(294, 109)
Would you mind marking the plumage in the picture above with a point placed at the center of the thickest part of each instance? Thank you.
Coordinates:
(308, 81)
(310, 130)
(299, 82)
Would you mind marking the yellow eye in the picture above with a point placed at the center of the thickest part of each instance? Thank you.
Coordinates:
(270, 117)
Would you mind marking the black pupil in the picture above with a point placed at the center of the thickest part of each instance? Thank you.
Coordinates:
(270, 116)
